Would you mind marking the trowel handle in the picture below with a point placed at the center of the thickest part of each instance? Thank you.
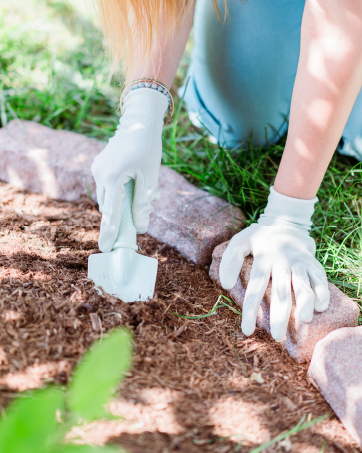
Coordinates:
(127, 231)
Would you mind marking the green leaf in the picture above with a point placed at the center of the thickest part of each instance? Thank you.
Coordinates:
(97, 375)
(88, 449)
(30, 422)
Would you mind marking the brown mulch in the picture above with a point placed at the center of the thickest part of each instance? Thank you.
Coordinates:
(191, 388)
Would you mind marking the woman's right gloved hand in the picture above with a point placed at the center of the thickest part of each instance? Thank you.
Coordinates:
(282, 248)
(134, 152)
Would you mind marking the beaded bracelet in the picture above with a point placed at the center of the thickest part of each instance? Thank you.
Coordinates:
(155, 85)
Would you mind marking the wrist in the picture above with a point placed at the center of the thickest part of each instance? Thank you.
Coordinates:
(282, 210)
(152, 85)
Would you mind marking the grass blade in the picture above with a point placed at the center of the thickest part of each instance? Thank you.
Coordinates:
(300, 426)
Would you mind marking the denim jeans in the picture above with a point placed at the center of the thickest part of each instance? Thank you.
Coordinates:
(242, 72)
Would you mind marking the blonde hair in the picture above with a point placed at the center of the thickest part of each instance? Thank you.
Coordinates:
(132, 26)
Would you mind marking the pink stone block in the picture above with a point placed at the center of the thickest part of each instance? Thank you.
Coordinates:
(336, 368)
(301, 337)
(53, 162)
(58, 164)
(191, 220)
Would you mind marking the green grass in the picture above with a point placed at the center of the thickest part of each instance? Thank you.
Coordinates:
(52, 70)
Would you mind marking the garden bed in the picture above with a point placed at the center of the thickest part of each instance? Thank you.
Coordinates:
(191, 387)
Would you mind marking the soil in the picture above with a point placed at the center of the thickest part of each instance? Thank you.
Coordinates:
(191, 387)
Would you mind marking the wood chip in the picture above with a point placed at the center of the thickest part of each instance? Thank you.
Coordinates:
(96, 322)
(181, 329)
(289, 404)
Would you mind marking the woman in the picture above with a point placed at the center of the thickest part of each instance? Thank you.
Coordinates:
(244, 78)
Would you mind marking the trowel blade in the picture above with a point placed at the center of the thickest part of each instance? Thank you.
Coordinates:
(124, 273)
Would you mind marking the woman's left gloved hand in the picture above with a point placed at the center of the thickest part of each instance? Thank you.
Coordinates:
(134, 152)
(281, 247)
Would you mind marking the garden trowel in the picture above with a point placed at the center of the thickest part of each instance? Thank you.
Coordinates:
(123, 272)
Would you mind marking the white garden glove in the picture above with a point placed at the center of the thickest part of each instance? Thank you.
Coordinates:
(134, 152)
(281, 247)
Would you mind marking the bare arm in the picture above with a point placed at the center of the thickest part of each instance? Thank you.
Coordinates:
(328, 81)
(165, 58)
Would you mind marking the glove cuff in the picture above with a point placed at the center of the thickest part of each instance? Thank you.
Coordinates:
(286, 211)
(145, 103)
